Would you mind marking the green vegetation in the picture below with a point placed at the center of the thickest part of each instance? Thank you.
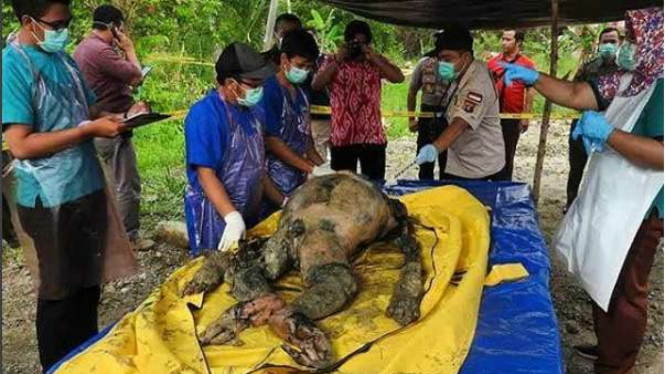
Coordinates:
(170, 34)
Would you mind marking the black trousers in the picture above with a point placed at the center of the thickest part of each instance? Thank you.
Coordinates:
(429, 130)
(8, 232)
(372, 159)
(511, 135)
(63, 325)
(577, 159)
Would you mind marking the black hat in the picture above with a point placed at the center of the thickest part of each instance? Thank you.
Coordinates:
(238, 60)
(454, 38)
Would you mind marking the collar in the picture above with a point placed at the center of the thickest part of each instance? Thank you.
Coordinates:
(466, 71)
(95, 35)
(504, 57)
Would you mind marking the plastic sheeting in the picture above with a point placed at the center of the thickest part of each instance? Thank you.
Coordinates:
(489, 14)
(517, 330)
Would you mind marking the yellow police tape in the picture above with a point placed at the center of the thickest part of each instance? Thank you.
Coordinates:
(317, 109)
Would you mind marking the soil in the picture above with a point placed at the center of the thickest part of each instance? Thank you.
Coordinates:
(19, 349)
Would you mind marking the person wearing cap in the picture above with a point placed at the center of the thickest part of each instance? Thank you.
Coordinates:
(291, 155)
(517, 98)
(225, 158)
(473, 136)
(112, 76)
(285, 22)
(426, 78)
(353, 77)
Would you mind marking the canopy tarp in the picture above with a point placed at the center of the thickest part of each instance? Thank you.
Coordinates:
(493, 14)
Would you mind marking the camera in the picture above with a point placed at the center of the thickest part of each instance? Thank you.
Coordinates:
(355, 49)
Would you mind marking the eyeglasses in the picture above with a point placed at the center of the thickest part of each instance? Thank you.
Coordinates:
(56, 25)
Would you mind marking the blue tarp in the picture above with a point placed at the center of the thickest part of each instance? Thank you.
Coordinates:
(517, 328)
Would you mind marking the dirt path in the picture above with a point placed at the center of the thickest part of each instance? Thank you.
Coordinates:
(19, 349)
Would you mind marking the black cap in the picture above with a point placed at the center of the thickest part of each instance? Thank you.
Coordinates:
(238, 60)
(454, 38)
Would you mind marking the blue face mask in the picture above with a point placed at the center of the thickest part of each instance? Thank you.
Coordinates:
(447, 70)
(608, 50)
(626, 56)
(252, 97)
(54, 41)
(296, 75)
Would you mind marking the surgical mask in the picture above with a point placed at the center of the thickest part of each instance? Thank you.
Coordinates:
(54, 41)
(447, 70)
(252, 97)
(296, 75)
(608, 50)
(626, 56)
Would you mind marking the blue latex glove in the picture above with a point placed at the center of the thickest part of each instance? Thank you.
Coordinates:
(519, 73)
(428, 153)
(594, 130)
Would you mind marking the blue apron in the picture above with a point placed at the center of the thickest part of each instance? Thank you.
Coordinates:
(241, 172)
(295, 133)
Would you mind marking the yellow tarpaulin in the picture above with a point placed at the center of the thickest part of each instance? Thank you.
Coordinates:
(160, 336)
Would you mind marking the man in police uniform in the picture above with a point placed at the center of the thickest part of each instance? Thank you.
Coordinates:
(473, 137)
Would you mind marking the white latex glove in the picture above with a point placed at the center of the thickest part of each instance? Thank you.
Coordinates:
(324, 169)
(233, 232)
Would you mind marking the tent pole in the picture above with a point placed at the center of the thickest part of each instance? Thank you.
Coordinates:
(270, 24)
(544, 127)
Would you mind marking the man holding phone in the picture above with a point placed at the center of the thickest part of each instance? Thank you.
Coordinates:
(111, 69)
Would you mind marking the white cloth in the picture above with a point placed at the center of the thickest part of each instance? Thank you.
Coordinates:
(596, 234)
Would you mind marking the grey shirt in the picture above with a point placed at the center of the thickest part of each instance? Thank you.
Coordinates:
(479, 152)
(426, 77)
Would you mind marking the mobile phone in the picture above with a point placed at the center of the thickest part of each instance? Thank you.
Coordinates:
(114, 31)
(145, 71)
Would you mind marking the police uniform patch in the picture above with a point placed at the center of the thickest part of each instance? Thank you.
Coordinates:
(474, 97)
(469, 106)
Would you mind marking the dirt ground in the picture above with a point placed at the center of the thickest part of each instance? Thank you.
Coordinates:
(19, 350)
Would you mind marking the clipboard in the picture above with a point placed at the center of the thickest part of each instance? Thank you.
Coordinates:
(145, 119)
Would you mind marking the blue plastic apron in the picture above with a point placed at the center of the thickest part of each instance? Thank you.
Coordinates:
(241, 172)
(295, 133)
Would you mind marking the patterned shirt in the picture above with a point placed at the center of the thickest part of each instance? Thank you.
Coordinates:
(355, 101)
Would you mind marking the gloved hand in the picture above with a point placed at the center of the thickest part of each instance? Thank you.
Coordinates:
(594, 130)
(428, 153)
(520, 73)
(233, 232)
(321, 170)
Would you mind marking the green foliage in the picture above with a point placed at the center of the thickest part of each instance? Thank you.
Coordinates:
(170, 34)
(328, 33)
